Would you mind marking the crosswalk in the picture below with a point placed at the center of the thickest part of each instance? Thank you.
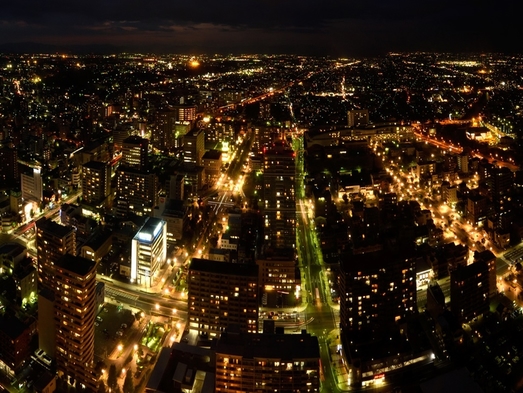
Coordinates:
(514, 255)
(115, 292)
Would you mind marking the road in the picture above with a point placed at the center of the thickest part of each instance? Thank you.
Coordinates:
(324, 319)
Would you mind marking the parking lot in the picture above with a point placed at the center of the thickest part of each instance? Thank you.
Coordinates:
(113, 325)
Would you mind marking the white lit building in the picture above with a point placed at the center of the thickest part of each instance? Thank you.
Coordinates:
(32, 187)
(148, 251)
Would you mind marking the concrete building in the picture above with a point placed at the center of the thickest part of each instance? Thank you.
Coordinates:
(469, 291)
(52, 242)
(357, 118)
(279, 196)
(212, 163)
(137, 192)
(32, 186)
(267, 362)
(74, 314)
(135, 152)
(148, 251)
(222, 294)
(96, 182)
(194, 146)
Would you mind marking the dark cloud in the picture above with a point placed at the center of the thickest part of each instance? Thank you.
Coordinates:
(320, 26)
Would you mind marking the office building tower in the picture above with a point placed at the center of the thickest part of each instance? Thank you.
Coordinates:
(135, 152)
(52, 242)
(267, 363)
(358, 117)
(278, 194)
(74, 312)
(148, 251)
(194, 146)
(96, 182)
(137, 191)
(222, 294)
(469, 291)
(32, 186)
(8, 166)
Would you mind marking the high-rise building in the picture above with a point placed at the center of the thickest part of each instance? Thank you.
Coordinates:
(357, 117)
(222, 294)
(32, 186)
(194, 146)
(267, 363)
(489, 258)
(52, 242)
(96, 182)
(279, 196)
(148, 251)
(176, 186)
(469, 291)
(74, 312)
(8, 165)
(212, 163)
(137, 191)
(500, 182)
(377, 289)
(135, 151)
(185, 113)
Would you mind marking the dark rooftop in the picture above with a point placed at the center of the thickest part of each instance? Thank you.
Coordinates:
(284, 346)
(227, 268)
(78, 265)
(51, 227)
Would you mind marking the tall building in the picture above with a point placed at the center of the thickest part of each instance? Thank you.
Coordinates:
(489, 258)
(222, 294)
(52, 242)
(279, 196)
(500, 182)
(135, 152)
(185, 113)
(194, 146)
(8, 166)
(137, 191)
(357, 117)
(32, 186)
(267, 363)
(148, 251)
(469, 291)
(377, 289)
(96, 182)
(74, 313)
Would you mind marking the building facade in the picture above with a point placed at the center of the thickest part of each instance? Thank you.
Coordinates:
(267, 363)
(148, 251)
(222, 294)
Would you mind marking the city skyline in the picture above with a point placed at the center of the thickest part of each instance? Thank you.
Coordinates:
(293, 27)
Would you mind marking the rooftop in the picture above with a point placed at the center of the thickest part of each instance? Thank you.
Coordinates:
(78, 265)
(283, 346)
(226, 268)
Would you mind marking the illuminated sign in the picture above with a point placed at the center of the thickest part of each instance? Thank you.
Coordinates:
(379, 376)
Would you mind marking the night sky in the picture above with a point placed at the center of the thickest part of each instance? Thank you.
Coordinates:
(310, 27)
